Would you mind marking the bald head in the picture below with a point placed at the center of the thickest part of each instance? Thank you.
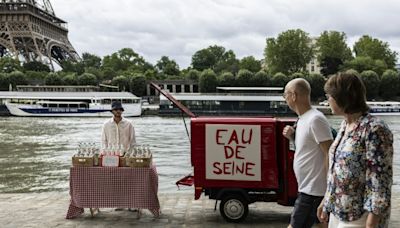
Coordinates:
(300, 86)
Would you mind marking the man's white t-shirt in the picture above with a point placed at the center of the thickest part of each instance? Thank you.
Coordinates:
(309, 160)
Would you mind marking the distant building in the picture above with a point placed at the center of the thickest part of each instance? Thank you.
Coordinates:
(314, 65)
(397, 67)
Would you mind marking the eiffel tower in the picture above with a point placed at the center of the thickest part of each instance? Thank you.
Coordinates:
(30, 31)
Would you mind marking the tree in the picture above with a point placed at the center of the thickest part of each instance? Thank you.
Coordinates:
(317, 82)
(193, 75)
(87, 79)
(364, 63)
(208, 81)
(296, 75)
(371, 82)
(138, 85)
(4, 82)
(332, 51)
(250, 63)
(279, 80)
(36, 66)
(245, 78)
(122, 82)
(167, 67)
(35, 77)
(376, 49)
(289, 52)
(215, 58)
(125, 59)
(72, 66)
(91, 60)
(390, 84)
(226, 79)
(8, 65)
(53, 78)
(70, 79)
(17, 78)
(261, 78)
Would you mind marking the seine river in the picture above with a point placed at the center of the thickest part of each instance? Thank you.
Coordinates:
(35, 153)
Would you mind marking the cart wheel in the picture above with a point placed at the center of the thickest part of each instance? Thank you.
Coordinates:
(234, 208)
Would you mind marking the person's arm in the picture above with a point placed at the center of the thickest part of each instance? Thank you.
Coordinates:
(379, 171)
(288, 132)
(104, 141)
(325, 145)
(132, 138)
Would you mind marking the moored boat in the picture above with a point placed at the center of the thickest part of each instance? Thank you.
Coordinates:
(64, 104)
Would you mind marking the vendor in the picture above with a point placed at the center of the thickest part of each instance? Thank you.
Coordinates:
(118, 131)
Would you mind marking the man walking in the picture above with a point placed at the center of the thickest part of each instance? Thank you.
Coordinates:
(312, 138)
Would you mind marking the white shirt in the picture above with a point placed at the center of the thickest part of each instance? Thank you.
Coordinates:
(122, 133)
(309, 160)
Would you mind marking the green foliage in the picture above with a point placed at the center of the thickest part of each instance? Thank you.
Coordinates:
(371, 82)
(125, 59)
(138, 85)
(193, 74)
(91, 60)
(8, 65)
(215, 58)
(35, 77)
(288, 53)
(17, 78)
(208, 81)
(332, 51)
(317, 82)
(70, 79)
(167, 67)
(364, 63)
(35, 66)
(53, 79)
(245, 78)
(390, 84)
(280, 80)
(250, 63)
(72, 67)
(122, 82)
(226, 79)
(108, 73)
(296, 75)
(87, 79)
(376, 49)
(96, 71)
(261, 78)
(4, 82)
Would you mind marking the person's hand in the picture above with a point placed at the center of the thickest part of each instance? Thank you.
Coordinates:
(322, 216)
(288, 132)
(372, 221)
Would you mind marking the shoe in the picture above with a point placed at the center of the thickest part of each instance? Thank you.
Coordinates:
(133, 209)
(119, 209)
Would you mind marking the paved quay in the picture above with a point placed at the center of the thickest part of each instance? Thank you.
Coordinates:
(178, 210)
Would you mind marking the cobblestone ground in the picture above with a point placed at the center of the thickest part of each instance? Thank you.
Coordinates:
(178, 210)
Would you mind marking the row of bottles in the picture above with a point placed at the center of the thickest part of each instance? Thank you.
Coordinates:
(90, 149)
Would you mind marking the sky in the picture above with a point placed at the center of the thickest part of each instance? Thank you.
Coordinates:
(179, 28)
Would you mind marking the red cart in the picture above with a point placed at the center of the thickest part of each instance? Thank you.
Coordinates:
(240, 160)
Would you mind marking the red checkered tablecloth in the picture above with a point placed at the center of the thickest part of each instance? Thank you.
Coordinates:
(113, 187)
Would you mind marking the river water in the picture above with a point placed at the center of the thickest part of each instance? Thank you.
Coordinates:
(35, 153)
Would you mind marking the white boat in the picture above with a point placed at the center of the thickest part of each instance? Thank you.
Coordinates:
(74, 104)
(378, 107)
(384, 107)
(226, 104)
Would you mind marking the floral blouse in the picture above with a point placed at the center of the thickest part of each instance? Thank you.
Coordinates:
(360, 171)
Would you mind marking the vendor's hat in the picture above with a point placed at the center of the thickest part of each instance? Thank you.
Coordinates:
(117, 105)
